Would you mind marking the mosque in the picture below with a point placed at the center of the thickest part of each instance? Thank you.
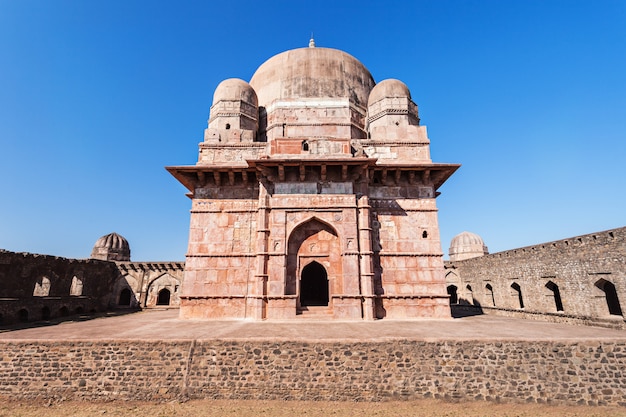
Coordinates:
(314, 195)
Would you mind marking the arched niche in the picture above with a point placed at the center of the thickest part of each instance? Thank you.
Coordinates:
(163, 291)
(313, 240)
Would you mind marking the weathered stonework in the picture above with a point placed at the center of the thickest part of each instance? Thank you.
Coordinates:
(41, 287)
(581, 280)
(313, 194)
(579, 372)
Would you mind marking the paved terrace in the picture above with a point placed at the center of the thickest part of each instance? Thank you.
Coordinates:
(165, 325)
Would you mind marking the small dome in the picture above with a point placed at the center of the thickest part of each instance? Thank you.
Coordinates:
(388, 88)
(235, 89)
(467, 245)
(312, 73)
(111, 247)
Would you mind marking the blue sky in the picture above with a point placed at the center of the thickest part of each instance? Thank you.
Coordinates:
(97, 97)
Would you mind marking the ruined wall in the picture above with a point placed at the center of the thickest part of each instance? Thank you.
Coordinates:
(41, 287)
(579, 372)
(580, 279)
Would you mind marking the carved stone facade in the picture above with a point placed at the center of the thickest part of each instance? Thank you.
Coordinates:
(314, 195)
(147, 284)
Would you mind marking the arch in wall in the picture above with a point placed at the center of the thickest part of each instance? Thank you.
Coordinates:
(76, 289)
(164, 297)
(610, 294)
(314, 285)
(490, 295)
(154, 295)
(316, 240)
(124, 298)
(22, 315)
(452, 292)
(556, 293)
(517, 293)
(122, 283)
(45, 313)
(42, 287)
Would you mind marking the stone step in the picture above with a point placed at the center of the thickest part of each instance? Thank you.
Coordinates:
(315, 312)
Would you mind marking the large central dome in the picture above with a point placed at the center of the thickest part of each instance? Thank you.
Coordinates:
(312, 73)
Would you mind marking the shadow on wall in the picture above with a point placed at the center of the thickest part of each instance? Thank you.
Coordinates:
(465, 309)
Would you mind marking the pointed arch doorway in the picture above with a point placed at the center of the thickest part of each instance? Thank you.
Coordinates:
(314, 267)
(314, 286)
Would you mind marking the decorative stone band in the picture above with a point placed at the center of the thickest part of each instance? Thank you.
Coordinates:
(408, 254)
(238, 145)
(412, 296)
(212, 297)
(232, 114)
(387, 112)
(150, 266)
(383, 142)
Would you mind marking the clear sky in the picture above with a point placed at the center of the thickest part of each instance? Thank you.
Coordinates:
(96, 97)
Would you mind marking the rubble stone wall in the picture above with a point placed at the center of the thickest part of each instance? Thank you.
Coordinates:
(580, 280)
(41, 287)
(576, 372)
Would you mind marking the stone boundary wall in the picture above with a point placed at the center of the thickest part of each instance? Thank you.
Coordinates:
(42, 287)
(578, 372)
(581, 279)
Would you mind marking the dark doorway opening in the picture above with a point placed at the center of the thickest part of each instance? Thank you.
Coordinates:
(558, 303)
(45, 313)
(314, 285)
(23, 315)
(452, 292)
(164, 297)
(517, 292)
(612, 301)
(124, 297)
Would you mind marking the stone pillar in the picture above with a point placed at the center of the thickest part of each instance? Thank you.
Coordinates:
(257, 302)
(366, 274)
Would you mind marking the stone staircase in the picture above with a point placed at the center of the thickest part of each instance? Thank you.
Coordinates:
(315, 312)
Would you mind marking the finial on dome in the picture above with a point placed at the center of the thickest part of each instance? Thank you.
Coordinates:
(312, 41)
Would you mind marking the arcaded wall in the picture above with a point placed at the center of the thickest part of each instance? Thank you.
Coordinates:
(41, 287)
(580, 279)
(584, 372)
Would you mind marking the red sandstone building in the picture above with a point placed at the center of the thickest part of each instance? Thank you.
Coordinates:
(314, 195)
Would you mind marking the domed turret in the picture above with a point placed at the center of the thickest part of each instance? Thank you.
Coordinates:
(111, 247)
(390, 88)
(390, 110)
(235, 89)
(467, 245)
(234, 113)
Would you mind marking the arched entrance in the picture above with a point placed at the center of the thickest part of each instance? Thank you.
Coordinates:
(124, 299)
(164, 297)
(454, 298)
(314, 268)
(314, 285)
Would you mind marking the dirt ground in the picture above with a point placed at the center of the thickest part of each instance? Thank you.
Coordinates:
(212, 408)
